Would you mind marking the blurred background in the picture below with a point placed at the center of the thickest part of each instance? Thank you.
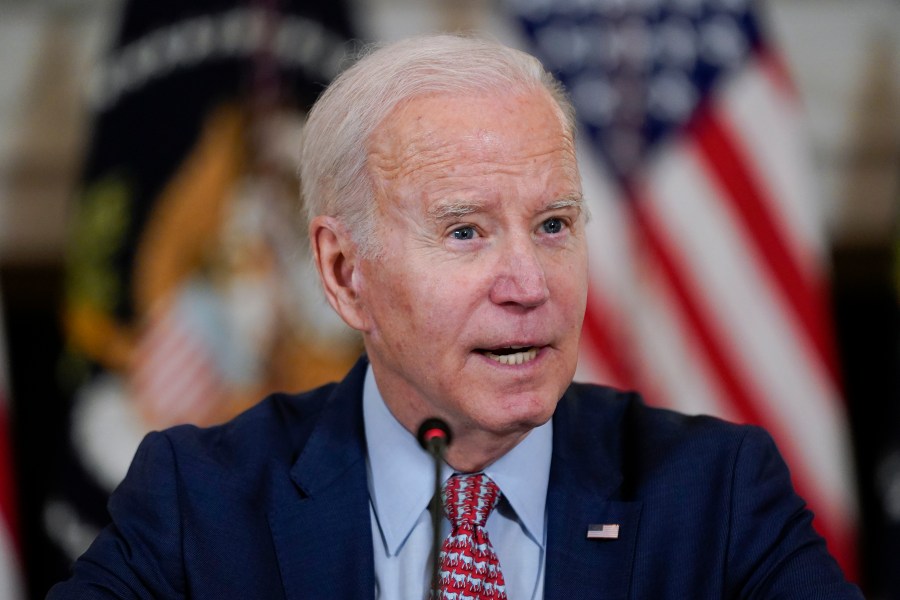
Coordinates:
(741, 160)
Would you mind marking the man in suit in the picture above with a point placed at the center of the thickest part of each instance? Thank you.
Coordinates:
(447, 224)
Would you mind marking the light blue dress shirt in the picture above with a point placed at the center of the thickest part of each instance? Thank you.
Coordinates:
(401, 483)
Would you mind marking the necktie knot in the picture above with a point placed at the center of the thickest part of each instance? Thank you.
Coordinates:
(469, 499)
(469, 568)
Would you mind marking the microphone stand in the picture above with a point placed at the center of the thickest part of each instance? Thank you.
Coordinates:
(434, 436)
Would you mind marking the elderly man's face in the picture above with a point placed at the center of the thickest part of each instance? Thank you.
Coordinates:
(474, 307)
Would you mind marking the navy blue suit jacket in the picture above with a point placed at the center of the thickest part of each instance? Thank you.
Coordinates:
(275, 505)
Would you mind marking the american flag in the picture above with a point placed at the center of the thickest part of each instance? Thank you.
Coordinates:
(708, 286)
(175, 378)
(11, 585)
(608, 531)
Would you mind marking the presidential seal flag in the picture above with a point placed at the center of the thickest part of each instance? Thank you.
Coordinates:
(708, 287)
(188, 294)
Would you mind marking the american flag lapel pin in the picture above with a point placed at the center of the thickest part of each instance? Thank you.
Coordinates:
(606, 531)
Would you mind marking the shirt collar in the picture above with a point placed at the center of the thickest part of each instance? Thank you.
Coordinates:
(401, 475)
(523, 475)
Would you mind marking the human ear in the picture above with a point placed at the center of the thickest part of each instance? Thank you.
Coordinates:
(336, 257)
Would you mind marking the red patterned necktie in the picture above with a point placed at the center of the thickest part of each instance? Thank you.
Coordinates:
(469, 568)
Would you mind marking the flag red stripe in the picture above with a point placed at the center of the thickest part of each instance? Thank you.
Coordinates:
(774, 67)
(725, 162)
(7, 495)
(737, 392)
(180, 390)
(675, 275)
(174, 377)
(598, 330)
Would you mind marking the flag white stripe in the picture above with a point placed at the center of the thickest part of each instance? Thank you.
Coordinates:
(592, 367)
(11, 585)
(179, 391)
(162, 342)
(174, 377)
(610, 266)
(782, 172)
(167, 361)
(681, 378)
(10, 567)
(608, 232)
(749, 315)
(770, 128)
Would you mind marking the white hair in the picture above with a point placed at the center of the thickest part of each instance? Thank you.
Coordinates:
(333, 158)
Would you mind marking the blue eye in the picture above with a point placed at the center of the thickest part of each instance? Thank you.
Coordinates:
(552, 225)
(464, 233)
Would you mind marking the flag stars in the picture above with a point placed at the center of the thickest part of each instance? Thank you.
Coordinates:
(721, 41)
(671, 96)
(676, 43)
(596, 98)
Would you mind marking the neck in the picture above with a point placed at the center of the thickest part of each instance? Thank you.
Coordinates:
(473, 447)
(471, 452)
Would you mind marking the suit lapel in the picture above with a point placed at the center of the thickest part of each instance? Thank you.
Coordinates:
(585, 489)
(320, 519)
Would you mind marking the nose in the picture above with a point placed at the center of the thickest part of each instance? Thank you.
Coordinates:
(520, 278)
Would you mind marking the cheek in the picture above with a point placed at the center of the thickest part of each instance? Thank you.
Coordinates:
(442, 301)
(410, 301)
(446, 306)
(570, 280)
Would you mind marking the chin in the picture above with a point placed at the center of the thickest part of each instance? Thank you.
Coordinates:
(518, 414)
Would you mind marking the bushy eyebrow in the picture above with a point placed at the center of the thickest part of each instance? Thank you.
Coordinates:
(454, 210)
(574, 201)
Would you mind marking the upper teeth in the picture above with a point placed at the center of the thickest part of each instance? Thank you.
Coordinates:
(516, 358)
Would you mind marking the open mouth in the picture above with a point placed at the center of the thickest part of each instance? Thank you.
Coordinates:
(513, 355)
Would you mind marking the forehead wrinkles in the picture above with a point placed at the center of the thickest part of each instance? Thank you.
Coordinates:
(434, 155)
(473, 150)
(393, 157)
(492, 123)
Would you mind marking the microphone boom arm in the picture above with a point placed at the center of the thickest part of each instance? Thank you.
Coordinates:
(434, 436)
